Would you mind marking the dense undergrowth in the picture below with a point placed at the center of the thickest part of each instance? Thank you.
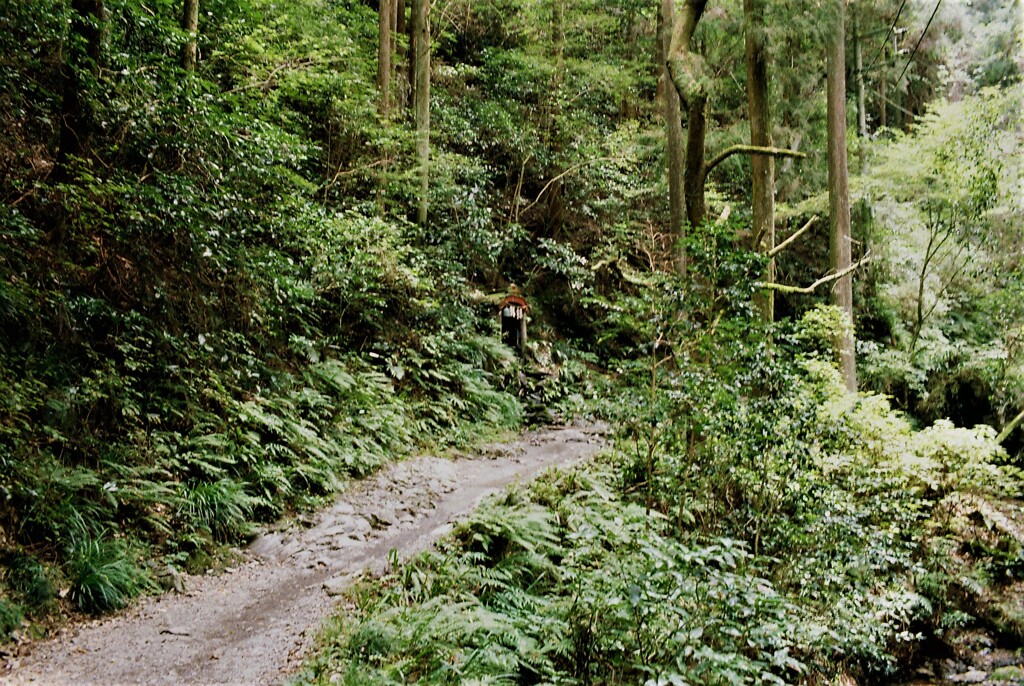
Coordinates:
(220, 309)
(752, 523)
(192, 338)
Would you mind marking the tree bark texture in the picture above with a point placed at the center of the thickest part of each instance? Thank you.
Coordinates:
(414, 8)
(674, 135)
(384, 18)
(400, 17)
(555, 204)
(762, 166)
(689, 76)
(838, 190)
(421, 99)
(858, 51)
(393, 29)
(190, 24)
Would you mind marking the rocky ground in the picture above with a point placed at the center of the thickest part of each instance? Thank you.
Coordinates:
(253, 622)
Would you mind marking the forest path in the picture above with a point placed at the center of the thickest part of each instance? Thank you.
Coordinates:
(254, 623)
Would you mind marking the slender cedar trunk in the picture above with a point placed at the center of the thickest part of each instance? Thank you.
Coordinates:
(415, 17)
(555, 206)
(421, 99)
(190, 24)
(763, 166)
(401, 59)
(674, 135)
(384, 18)
(883, 120)
(80, 67)
(897, 96)
(393, 20)
(838, 191)
(858, 57)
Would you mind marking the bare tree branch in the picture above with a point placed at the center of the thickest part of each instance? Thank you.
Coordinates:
(750, 150)
(807, 290)
(786, 243)
(1009, 428)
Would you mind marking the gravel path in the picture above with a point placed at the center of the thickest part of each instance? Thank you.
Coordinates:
(255, 622)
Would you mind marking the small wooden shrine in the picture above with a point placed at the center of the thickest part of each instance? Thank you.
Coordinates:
(512, 311)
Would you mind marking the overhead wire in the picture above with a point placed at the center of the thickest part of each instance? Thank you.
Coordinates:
(888, 33)
(919, 40)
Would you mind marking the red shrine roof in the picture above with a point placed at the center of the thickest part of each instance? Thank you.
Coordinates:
(514, 300)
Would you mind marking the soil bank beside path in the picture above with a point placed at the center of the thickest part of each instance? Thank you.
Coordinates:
(254, 623)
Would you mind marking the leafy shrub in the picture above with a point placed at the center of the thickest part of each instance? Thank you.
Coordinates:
(11, 618)
(29, 579)
(103, 574)
(220, 509)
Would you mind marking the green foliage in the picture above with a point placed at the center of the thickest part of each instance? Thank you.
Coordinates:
(103, 574)
(562, 591)
(220, 509)
(220, 310)
(11, 617)
(756, 523)
(944, 211)
(209, 319)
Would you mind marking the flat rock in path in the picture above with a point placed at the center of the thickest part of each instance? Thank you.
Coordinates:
(382, 518)
(342, 507)
(266, 545)
(337, 585)
(343, 525)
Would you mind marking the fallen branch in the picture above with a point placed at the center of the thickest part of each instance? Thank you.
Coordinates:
(750, 150)
(785, 244)
(807, 290)
(1014, 423)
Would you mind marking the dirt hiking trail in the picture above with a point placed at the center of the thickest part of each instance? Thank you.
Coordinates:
(255, 622)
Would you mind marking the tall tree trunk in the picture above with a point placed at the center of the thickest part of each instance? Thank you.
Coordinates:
(555, 205)
(421, 98)
(694, 177)
(688, 73)
(401, 59)
(400, 17)
(674, 135)
(414, 13)
(190, 24)
(394, 34)
(384, 19)
(838, 191)
(883, 119)
(763, 166)
(858, 52)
